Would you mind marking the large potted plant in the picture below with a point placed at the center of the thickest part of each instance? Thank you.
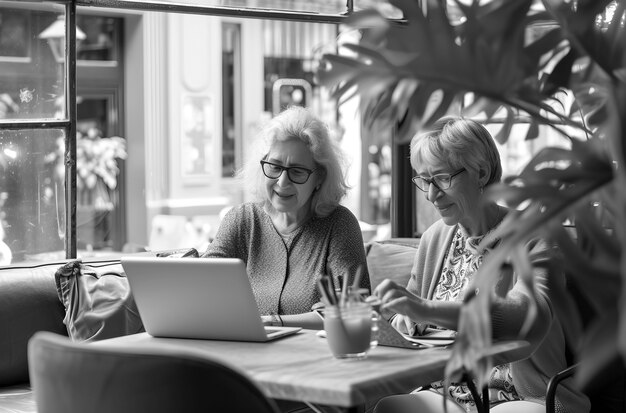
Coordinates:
(97, 171)
(477, 59)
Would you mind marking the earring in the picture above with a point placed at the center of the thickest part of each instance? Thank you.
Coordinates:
(482, 189)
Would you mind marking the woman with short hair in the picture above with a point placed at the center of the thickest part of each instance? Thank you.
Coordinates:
(455, 162)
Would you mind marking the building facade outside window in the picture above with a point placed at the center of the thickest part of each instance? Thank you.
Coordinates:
(185, 94)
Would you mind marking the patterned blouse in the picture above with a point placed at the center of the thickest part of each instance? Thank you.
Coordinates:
(461, 262)
(283, 271)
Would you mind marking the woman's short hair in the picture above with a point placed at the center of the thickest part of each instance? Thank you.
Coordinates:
(459, 143)
(299, 123)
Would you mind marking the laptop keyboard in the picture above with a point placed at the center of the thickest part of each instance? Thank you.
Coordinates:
(272, 329)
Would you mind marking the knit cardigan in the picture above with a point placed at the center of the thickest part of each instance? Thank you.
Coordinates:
(531, 375)
(283, 272)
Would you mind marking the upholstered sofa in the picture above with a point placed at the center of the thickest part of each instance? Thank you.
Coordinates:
(29, 302)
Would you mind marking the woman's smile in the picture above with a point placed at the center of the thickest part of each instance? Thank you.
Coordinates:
(444, 208)
(282, 195)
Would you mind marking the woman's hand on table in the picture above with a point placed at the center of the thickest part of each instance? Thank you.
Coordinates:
(311, 320)
(395, 298)
(398, 299)
(272, 320)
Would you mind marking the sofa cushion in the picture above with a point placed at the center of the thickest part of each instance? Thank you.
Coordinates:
(28, 303)
(391, 259)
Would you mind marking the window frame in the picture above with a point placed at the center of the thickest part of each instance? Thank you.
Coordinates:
(220, 11)
(68, 125)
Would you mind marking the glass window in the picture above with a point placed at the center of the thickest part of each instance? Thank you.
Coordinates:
(14, 31)
(206, 86)
(316, 7)
(100, 38)
(289, 53)
(231, 86)
(309, 10)
(100, 159)
(32, 80)
(32, 194)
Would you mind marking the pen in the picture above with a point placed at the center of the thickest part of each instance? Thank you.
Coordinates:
(323, 291)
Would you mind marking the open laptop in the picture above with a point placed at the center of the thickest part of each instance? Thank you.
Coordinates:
(204, 298)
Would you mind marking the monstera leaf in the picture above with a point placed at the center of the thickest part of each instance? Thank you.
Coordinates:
(476, 60)
(411, 74)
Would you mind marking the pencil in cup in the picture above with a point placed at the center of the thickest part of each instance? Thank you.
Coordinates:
(351, 296)
(325, 286)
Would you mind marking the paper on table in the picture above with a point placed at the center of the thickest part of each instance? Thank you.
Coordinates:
(434, 337)
(389, 336)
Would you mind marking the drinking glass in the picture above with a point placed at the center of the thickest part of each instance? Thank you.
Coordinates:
(349, 329)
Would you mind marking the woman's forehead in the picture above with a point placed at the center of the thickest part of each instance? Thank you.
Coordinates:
(432, 163)
(292, 150)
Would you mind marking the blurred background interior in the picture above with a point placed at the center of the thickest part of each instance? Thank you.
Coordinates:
(166, 105)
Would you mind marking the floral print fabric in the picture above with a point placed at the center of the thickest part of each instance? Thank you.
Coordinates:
(461, 262)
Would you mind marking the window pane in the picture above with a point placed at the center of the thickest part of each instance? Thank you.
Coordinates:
(219, 73)
(14, 29)
(317, 6)
(31, 84)
(231, 84)
(264, 66)
(517, 151)
(312, 7)
(100, 38)
(290, 50)
(32, 194)
(99, 163)
(377, 205)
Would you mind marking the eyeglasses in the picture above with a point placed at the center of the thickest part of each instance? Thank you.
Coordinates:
(441, 181)
(296, 174)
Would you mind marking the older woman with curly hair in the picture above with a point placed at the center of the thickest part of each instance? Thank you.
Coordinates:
(295, 230)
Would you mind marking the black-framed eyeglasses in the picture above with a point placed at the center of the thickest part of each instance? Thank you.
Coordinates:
(441, 181)
(296, 174)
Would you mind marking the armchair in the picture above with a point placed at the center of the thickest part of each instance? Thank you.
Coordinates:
(79, 377)
(553, 386)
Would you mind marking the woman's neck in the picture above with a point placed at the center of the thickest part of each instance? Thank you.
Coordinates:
(490, 217)
(286, 222)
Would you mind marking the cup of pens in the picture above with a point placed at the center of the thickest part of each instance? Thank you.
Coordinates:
(348, 329)
(347, 320)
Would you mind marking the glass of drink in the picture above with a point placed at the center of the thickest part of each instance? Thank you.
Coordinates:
(349, 329)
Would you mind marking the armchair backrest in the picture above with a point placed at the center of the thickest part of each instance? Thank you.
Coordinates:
(392, 258)
(88, 377)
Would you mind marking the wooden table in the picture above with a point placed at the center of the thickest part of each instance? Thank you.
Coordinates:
(302, 368)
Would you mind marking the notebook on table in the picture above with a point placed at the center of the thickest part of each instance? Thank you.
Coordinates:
(202, 298)
(389, 336)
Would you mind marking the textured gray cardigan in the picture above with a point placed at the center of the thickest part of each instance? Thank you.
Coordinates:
(531, 375)
(283, 272)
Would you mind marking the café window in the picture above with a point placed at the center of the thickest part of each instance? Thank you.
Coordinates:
(32, 87)
(184, 137)
(14, 29)
(186, 91)
(102, 41)
(231, 94)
